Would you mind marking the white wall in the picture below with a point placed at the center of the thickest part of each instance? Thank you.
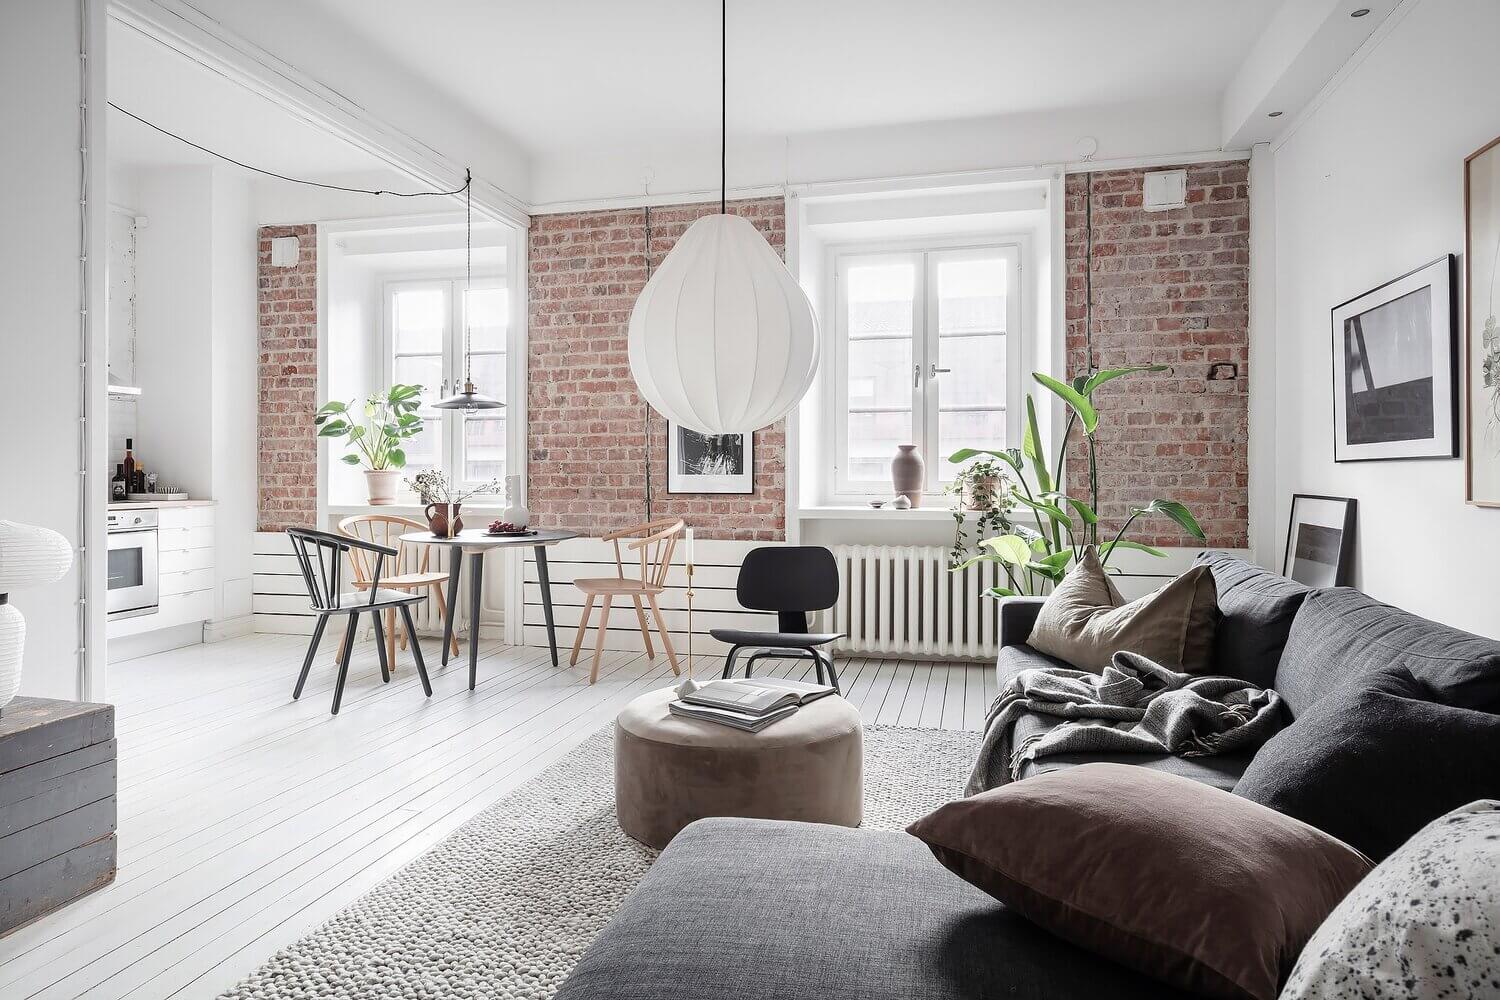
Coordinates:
(1367, 187)
(39, 318)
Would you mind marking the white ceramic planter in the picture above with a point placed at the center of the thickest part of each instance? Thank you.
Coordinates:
(380, 484)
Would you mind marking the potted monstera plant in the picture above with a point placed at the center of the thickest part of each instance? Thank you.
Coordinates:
(374, 435)
(1044, 528)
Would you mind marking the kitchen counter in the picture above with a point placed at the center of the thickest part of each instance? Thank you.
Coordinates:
(148, 504)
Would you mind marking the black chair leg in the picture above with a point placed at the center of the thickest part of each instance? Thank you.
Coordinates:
(338, 685)
(312, 649)
(729, 661)
(833, 677)
(385, 667)
(416, 648)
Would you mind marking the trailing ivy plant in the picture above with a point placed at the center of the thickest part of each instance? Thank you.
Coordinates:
(375, 439)
(981, 489)
(1035, 557)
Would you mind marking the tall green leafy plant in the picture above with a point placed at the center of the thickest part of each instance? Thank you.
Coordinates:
(375, 435)
(1034, 559)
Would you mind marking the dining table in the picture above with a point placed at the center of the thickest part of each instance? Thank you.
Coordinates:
(475, 543)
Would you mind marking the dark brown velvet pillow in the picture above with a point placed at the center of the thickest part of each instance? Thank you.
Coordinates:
(1171, 877)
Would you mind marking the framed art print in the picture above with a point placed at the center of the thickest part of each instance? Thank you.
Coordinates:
(1320, 541)
(1482, 341)
(709, 463)
(1395, 369)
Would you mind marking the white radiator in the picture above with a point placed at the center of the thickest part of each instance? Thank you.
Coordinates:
(901, 600)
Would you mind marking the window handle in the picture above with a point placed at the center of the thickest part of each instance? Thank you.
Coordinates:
(936, 371)
(916, 376)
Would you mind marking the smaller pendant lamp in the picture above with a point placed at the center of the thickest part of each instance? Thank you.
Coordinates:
(722, 338)
(470, 400)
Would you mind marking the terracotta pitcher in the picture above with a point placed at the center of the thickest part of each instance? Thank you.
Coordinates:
(438, 515)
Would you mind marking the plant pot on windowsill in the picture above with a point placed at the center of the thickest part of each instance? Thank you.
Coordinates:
(380, 485)
(982, 493)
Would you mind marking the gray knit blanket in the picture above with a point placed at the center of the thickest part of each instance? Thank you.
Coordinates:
(1135, 706)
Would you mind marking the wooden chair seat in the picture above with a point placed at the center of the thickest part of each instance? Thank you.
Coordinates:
(407, 581)
(614, 585)
(653, 542)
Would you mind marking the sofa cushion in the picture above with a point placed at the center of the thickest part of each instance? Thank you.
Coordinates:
(1256, 609)
(1198, 858)
(1340, 634)
(1375, 761)
(765, 910)
(1218, 770)
(1086, 622)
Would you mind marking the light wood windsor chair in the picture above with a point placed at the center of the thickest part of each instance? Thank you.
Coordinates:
(386, 530)
(654, 542)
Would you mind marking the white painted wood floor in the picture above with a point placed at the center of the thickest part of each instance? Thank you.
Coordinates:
(247, 819)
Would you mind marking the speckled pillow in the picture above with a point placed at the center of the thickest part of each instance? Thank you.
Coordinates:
(1425, 924)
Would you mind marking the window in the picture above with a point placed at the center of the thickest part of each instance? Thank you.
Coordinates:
(424, 345)
(928, 344)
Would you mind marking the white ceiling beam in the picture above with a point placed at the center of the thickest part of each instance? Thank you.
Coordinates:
(1300, 50)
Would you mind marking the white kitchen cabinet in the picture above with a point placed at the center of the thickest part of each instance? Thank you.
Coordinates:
(185, 571)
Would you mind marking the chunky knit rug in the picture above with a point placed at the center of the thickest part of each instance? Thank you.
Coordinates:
(505, 906)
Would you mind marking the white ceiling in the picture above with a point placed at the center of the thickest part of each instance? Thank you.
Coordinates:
(152, 81)
(586, 74)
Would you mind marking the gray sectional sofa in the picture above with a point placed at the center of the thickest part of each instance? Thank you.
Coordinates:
(757, 910)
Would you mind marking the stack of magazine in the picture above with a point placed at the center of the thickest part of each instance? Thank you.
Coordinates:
(750, 704)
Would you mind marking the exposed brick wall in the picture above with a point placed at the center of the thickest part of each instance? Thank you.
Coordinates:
(586, 438)
(288, 380)
(1169, 288)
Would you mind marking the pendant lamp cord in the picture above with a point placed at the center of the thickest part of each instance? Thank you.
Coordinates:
(723, 107)
(645, 406)
(468, 272)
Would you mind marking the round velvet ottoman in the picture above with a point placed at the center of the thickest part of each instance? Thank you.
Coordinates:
(670, 771)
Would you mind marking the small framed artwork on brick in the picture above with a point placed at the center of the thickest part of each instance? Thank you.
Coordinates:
(709, 463)
(1395, 369)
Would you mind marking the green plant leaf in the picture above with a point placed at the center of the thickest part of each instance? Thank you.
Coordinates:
(1097, 379)
(397, 458)
(1010, 458)
(333, 407)
(333, 428)
(1178, 513)
(973, 560)
(1031, 446)
(1042, 569)
(1058, 560)
(1085, 512)
(350, 459)
(1010, 548)
(1000, 592)
(400, 393)
(1052, 510)
(1108, 547)
(1079, 403)
(356, 431)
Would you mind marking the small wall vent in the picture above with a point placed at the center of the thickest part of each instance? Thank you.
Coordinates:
(1164, 189)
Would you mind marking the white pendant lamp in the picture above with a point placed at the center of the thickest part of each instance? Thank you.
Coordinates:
(722, 338)
(470, 400)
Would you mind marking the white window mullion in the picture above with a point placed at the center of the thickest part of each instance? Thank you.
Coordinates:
(926, 334)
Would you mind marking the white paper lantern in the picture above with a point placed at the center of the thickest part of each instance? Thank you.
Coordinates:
(722, 339)
(29, 557)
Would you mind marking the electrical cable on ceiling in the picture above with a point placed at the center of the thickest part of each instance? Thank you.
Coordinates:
(295, 180)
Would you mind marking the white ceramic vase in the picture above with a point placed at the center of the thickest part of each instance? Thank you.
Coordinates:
(380, 484)
(515, 504)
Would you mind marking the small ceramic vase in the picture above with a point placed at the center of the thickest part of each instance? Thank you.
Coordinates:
(908, 473)
(515, 504)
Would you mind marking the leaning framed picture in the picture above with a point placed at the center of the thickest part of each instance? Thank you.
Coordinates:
(709, 463)
(1395, 369)
(1320, 541)
(1482, 340)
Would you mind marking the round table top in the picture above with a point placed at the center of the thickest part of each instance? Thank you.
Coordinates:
(477, 538)
(647, 718)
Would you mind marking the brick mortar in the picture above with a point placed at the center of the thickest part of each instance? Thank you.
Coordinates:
(1169, 288)
(287, 377)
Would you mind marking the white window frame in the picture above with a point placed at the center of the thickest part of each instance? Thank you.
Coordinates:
(451, 443)
(926, 393)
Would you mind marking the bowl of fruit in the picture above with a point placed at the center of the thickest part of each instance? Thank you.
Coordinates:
(506, 529)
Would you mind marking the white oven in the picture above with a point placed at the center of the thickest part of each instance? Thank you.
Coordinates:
(133, 581)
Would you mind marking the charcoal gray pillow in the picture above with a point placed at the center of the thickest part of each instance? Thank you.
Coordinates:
(1257, 609)
(1375, 761)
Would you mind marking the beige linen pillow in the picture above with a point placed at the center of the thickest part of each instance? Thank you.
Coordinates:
(1085, 621)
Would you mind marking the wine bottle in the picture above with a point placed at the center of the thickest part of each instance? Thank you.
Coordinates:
(117, 484)
(129, 465)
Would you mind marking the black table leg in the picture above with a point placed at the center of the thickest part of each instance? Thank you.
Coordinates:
(476, 591)
(542, 578)
(455, 561)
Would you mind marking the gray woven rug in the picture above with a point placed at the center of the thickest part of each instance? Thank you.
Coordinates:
(506, 905)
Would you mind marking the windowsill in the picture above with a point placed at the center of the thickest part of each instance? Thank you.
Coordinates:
(409, 509)
(864, 512)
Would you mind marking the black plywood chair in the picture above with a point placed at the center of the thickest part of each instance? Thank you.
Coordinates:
(790, 580)
(320, 556)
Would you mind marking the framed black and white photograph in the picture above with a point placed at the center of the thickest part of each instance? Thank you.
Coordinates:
(709, 463)
(1320, 541)
(1395, 369)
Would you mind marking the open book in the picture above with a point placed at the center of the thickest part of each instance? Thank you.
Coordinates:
(756, 696)
(729, 717)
